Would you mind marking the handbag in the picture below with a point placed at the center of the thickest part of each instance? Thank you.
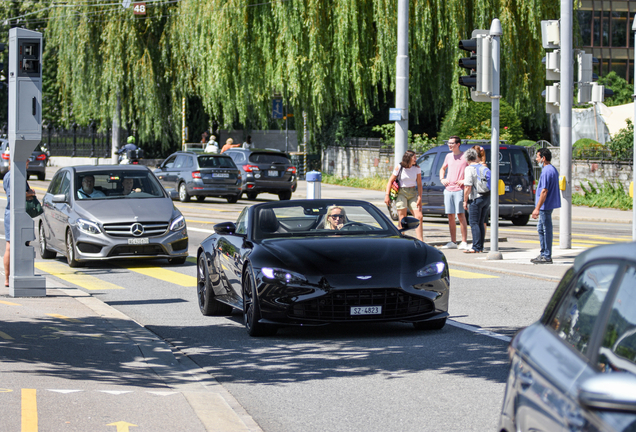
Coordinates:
(33, 207)
(395, 186)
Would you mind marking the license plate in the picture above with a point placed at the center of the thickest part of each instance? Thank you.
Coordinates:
(272, 173)
(366, 310)
(221, 175)
(138, 241)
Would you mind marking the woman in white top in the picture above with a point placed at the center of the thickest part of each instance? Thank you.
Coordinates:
(410, 194)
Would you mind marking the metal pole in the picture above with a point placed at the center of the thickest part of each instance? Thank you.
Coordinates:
(495, 34)
(634, 160)
(402, 81)
(565, 234)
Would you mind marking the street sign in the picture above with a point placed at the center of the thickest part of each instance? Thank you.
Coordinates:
(125, 4)
(277, 108)
(395, 114)
(139, 8)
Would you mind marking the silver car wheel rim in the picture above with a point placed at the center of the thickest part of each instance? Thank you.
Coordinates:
(69, 246)
(182, 191)
(42, 241)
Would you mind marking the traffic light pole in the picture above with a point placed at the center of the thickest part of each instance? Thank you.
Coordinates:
(495, 34)
(402, 82)
(565, 232)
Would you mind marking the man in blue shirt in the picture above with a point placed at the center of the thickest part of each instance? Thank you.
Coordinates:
(547, 199)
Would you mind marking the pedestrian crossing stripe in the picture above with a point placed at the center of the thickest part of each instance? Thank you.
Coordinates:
(163, 274)
(461, 274)
(75, 277)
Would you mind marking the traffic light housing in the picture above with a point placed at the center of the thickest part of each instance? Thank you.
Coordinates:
(479, 65)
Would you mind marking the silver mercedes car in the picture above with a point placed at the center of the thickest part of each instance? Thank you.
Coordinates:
(110, 212)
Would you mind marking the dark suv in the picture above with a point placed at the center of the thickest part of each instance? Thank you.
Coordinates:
(265, 171)
(188, 174)
(515, 169)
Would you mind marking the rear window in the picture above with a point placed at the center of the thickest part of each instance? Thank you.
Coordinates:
(268, 158)
(216, 162)
(504, 161)
(520, 162)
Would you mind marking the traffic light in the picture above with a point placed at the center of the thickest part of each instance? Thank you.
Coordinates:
(551, 39)
(479, 65)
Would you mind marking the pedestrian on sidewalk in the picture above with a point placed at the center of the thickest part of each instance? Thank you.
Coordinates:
(452, 177)
(479, 202)
(481, 154)
(410, 193)
(229, 143)
(547, 199)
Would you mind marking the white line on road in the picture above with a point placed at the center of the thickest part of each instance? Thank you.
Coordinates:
(478, 330)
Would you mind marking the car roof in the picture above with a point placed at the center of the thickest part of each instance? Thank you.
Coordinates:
(467, 146)
(258, 150)
(613, 252)
(199, 153)
(82, 169)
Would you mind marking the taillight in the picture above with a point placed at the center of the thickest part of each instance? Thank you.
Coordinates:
(196, 174)
(250, 168)
(6, 156)
(291, 170)
(534, 187)
(41, 157)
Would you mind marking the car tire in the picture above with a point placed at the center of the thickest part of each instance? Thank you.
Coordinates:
(208, 305)
(430, 325)
(71, 256)
(184, 196)
(285, 196)
(201, 198)
(393, 211)
(41, 176)
(520, 220)
(252, 311)
(251, 195)
(44, 252)
(232, 198)
(177, 260)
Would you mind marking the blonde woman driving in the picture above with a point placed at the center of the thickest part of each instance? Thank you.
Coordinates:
(336, 218)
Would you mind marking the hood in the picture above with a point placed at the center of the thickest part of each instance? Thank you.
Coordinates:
(125, 210)
(379, 257)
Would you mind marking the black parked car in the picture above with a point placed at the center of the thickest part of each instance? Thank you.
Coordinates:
(280, 264)
(37, 161)
(265, 171)
(575, 369)
(515, 169)
(188, 174)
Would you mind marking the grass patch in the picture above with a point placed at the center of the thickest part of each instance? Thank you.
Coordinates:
(606, 195)
(372, 183)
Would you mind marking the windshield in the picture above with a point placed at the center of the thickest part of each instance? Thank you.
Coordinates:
(320, 221)
(117, 184)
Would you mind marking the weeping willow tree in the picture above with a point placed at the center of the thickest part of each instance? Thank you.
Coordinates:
(322, 56)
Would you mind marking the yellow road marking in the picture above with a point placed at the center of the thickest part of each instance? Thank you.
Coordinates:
(470, 275)
(75, 277)
(5, 336)
(197, 221)
(65, 318)
(39, 188)
(556, 233)
(164, 275)
(29, 411)
(9, 303)
(208, 209)
(574, 243)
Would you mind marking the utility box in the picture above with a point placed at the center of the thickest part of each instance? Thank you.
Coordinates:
(25, 133)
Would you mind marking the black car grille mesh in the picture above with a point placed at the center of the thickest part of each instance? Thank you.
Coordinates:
(132, 250)
(151, 229)
(336, 306)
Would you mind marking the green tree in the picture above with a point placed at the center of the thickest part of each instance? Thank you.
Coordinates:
(623, 91)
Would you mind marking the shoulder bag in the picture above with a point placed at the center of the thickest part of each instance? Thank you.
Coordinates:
(395, 186)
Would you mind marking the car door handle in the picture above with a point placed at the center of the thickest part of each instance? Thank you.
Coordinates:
(525, 379)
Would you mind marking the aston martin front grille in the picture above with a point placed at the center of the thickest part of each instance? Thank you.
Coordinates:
(336, 306)
(151, 229)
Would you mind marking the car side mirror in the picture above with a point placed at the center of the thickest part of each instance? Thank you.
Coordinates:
(614, 391)
(59, 198)
(409, 223)
(225, 228)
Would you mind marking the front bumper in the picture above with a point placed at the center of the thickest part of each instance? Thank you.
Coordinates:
(89, 247)
(315, 305)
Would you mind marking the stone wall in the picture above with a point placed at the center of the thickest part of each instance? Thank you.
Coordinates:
(357, 161)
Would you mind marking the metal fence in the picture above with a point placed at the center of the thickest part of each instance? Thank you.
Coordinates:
(77, 141)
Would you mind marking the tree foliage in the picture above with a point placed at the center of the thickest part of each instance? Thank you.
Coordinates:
(326, 58)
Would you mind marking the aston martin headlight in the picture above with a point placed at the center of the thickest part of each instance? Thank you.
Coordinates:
(88, 226)
(177, 224)
(431, 269)
(283, 275)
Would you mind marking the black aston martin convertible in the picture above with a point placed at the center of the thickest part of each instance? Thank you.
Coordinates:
(315, 262)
